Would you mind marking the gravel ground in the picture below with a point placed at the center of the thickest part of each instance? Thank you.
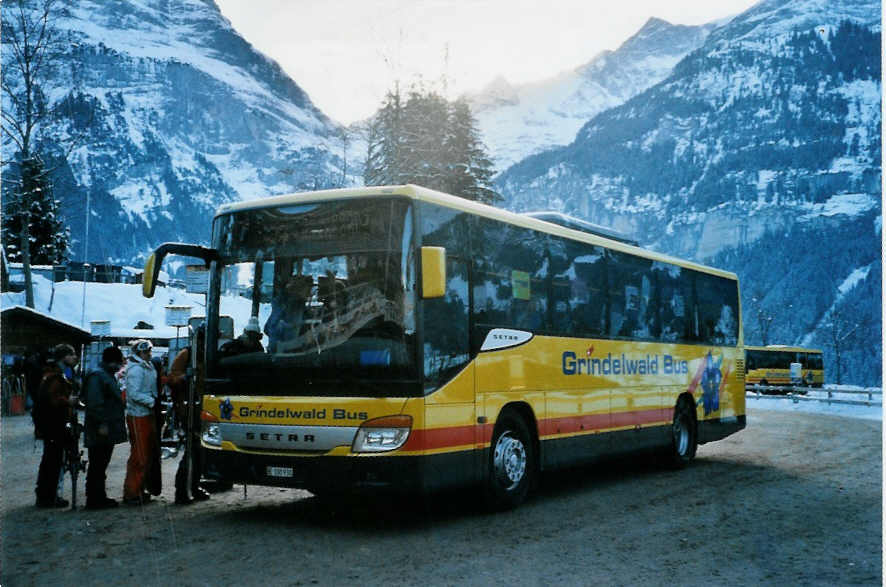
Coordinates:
(793, 499)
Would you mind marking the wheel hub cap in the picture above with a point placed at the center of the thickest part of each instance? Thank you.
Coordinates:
(509, 460)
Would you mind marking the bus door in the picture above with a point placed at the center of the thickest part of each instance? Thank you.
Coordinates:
(451, 426)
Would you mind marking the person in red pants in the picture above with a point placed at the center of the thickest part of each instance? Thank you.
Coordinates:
(141, 396)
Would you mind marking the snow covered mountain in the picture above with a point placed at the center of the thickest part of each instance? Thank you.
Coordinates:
(180, 115)
(759, 153)
(518, 121)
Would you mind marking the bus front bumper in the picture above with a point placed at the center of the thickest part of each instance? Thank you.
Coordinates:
(359, 474)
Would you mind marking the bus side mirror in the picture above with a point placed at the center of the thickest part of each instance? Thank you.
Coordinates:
(433, 272)
(149, 277)
(152, 265)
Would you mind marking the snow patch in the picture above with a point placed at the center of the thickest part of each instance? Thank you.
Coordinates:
(846, 204)
(850, 282)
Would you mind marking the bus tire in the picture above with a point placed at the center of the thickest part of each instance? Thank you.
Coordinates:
(684, 435)
(512, 464)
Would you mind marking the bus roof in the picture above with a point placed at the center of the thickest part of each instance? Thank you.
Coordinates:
(581, 225)
(427, 195)
(781, 347)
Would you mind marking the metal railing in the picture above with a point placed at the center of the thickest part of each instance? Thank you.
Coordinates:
(820, 394)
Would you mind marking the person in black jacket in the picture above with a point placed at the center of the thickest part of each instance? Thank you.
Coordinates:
(105, 425)
(52, 410)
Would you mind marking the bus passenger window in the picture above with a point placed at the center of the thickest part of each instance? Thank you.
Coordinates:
(630, 291)
(589, 289)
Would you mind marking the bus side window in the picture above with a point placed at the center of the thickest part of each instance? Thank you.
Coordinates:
(667, 316)
(630, 291)
(560, 313)
(589, 289)
(718, 309)
(510, 273)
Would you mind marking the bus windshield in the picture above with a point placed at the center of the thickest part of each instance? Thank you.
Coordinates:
(322, 297)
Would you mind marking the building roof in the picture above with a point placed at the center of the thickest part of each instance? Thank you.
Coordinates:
(24, 327)
(32, 314)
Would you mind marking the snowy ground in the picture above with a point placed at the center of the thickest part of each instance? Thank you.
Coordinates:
(787, 404)
(123, 305)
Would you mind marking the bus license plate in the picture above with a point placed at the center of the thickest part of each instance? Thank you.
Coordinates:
(279, 471)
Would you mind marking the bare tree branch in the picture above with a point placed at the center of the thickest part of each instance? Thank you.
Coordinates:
(28, 34)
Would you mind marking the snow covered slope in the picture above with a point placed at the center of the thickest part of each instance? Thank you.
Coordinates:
(759, 153)
(176, 114)
(518, 121)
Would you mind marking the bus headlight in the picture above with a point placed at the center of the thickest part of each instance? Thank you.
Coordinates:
(211, 433)
(382, 434)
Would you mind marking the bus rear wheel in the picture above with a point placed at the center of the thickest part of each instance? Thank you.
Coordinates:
(512, 466)
(684, 435)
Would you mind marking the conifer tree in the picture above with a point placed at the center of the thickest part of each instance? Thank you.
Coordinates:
(471, 172)
(36, 205)
(426, 121)
(431, 142)
(383, 143)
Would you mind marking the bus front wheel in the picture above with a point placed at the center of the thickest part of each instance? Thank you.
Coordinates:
(512, 463)
(684, 435)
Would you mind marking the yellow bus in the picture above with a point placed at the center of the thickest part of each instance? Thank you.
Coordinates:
(772, 365)
(413, 341)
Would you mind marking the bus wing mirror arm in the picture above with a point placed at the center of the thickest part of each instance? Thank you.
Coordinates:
(152, 265)
(433, 272)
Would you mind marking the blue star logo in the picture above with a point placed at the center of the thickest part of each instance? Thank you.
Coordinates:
(226, 408)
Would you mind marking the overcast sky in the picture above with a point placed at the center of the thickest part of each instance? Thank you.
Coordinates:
(347, 53)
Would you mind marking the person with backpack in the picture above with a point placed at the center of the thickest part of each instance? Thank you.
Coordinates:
(141, 397)
(52, 410)
(105, 425)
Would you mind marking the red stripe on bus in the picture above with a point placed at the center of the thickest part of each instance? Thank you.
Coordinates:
(453, 436)
(640, 418)
(435, 438)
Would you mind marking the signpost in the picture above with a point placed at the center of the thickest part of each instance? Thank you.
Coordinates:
(101, 329)
(177, 316)
(196, 279)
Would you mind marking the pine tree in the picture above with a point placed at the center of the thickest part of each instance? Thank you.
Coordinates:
(430, 142)
(34, 203)
(425, 126)
(383, 143)
(471, 170)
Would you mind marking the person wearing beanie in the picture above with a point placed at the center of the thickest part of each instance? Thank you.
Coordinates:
(105, 425)
(53, 407)
(248, 342)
